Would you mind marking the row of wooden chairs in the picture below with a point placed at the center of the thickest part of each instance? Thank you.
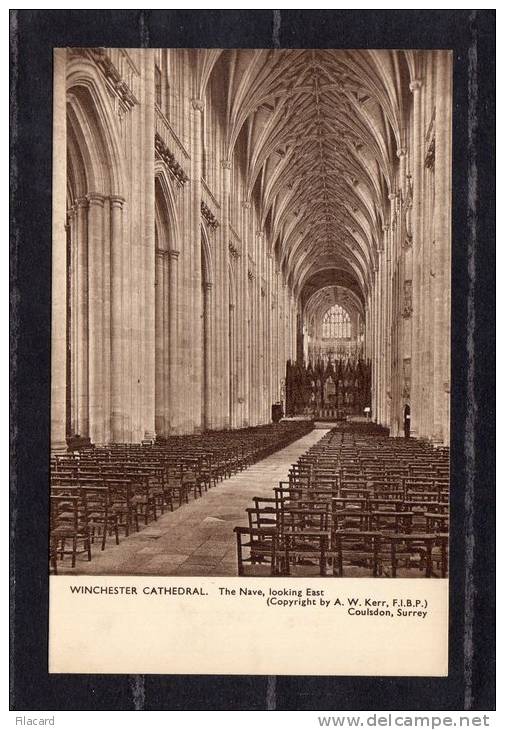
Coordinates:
(101, 493)
(354, 499)
(284, 539)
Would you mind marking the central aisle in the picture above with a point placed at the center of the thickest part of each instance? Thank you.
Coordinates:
(198, 538)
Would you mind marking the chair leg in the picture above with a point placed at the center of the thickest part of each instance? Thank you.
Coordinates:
(74, 550)
(286, 570)
(273, 564)
(375, 558)
(54, 555)
(240, 564)
(444, 559)
(429, 563)
(340, 561)
(393, 559)
(322, 557)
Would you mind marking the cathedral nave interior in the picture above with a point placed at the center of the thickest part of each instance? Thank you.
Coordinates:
(251, 267)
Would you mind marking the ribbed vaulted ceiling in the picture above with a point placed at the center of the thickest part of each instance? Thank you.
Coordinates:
(323, 130)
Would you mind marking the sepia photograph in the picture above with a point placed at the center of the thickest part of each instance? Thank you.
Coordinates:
(251, 312)
(252, 361)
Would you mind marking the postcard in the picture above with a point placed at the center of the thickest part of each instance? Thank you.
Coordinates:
(250, 379)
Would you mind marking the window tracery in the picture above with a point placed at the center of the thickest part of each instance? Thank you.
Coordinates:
(336, 324)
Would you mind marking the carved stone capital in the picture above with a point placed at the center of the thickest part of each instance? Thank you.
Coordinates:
(174, 254)
(234, 250)
(198, 105)
(415, 85)
(96, 199)
(226, 164)
(401, 152)
(208, 216)
(246, 204)
(117, 201)
(429, 160)
(407, 299)
(164, 154)
(82, 202)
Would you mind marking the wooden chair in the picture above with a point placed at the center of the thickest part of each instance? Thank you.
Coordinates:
(358, 548)
(101, 520)
(261, 545)
(68, 521)
(303, 535)
(419, 550)
(122, 504)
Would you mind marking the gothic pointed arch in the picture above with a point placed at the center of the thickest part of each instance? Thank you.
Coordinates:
(95, 245)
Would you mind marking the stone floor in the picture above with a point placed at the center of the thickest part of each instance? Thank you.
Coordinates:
(197, 538)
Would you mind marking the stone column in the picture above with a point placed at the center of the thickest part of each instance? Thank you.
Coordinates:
(441, 262)
(106, 332)
(417, 186)
(82, 340)
(59, 256)
(117, 353)
(192, 293)
(374, 343)
(173, 339)
(383, 380)
(241, 318)
(149, 246)
(222, 283)
(165, 303)
(95, 293)
(388, 253)
(159, 417)
(232, 349)
(207, 362)
(72, 282)
(269, 328)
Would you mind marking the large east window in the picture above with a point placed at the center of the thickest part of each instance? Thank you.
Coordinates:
(336, 324)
